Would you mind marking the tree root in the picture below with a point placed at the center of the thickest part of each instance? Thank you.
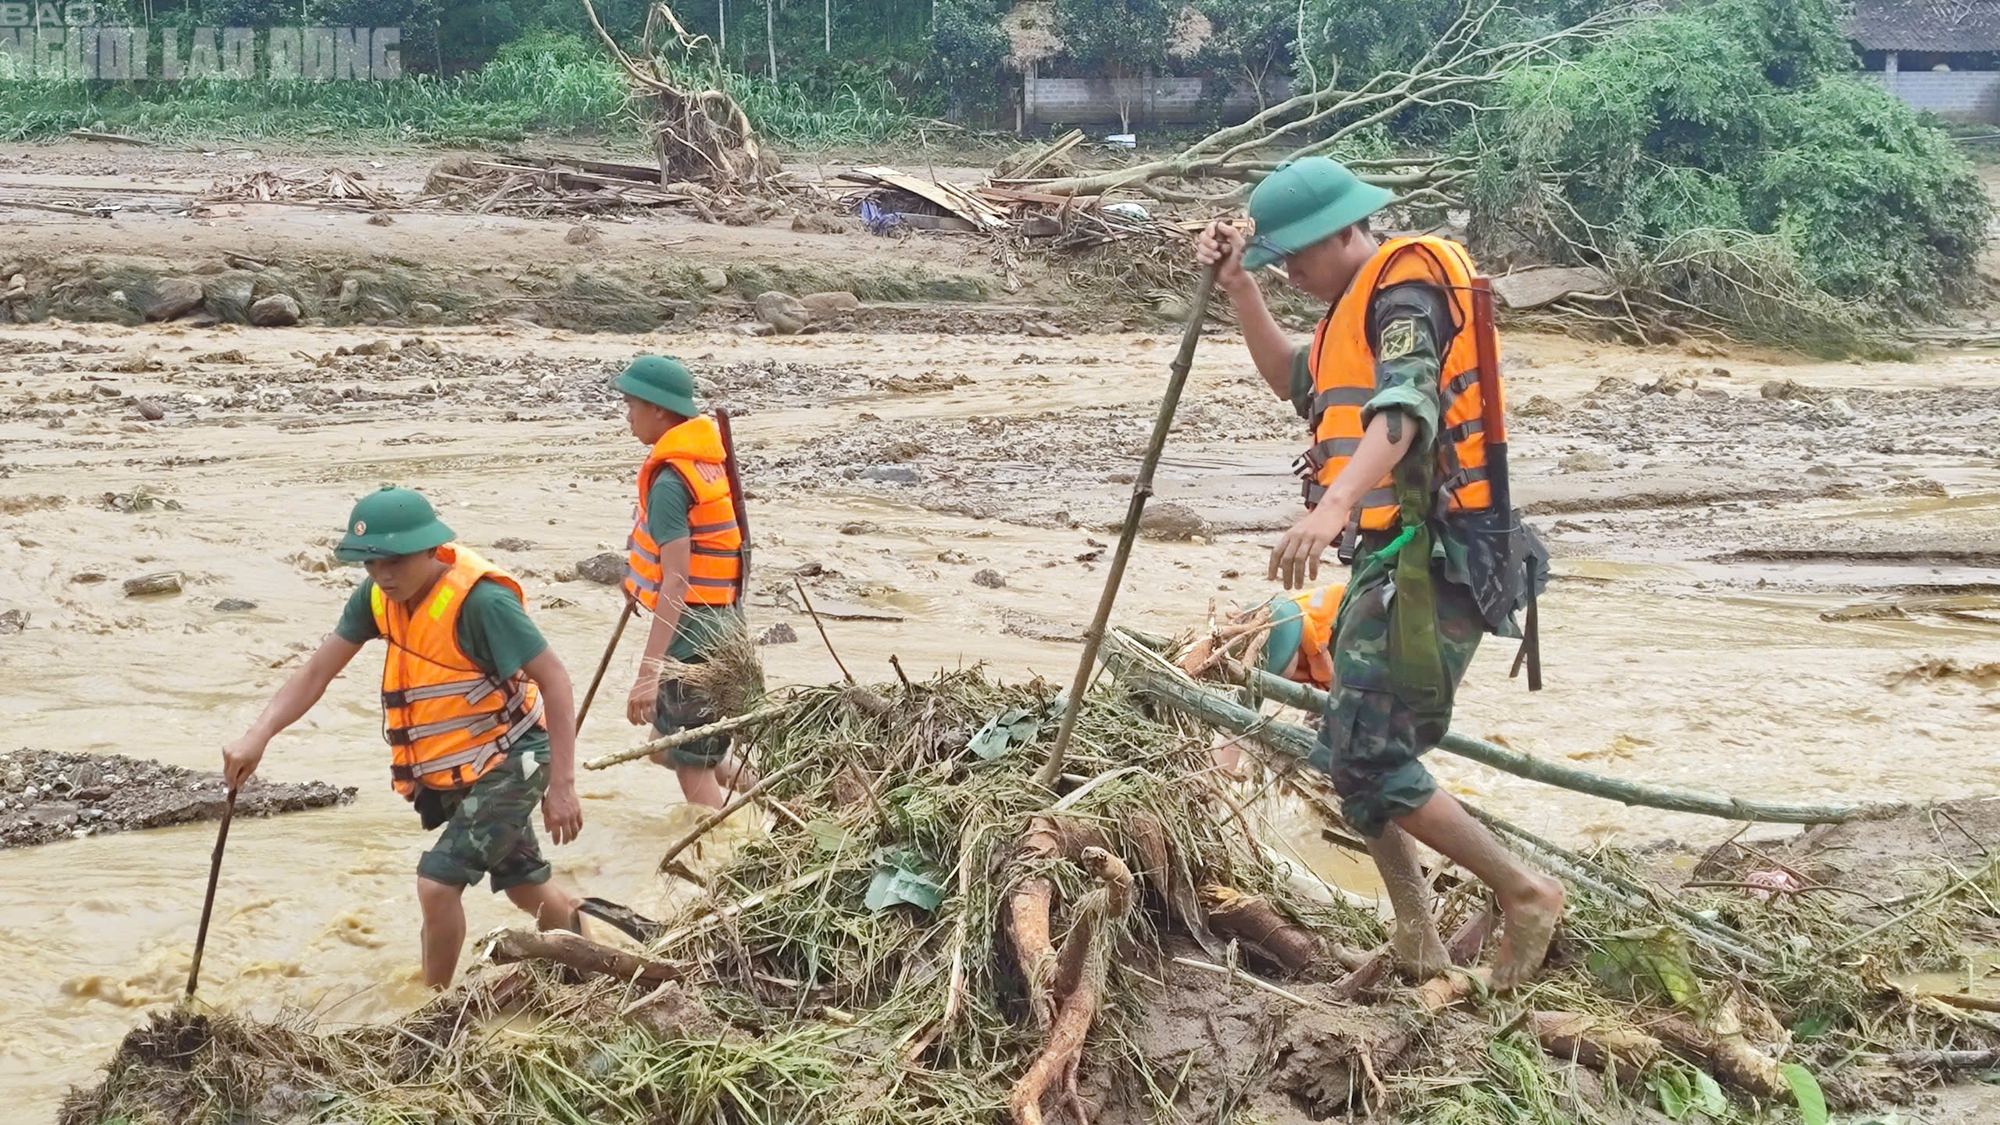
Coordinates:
(1087, 948)
(578, 953)
(1595, 1042)
(1263, 932)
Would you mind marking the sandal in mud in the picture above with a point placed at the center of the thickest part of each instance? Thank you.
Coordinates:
(624, 918)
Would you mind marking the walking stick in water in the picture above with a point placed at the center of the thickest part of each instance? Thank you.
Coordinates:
(1142, 487)
(208, 902)
(604, 662)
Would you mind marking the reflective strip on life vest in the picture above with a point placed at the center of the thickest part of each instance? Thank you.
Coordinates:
(1342, 363)
(446, 721)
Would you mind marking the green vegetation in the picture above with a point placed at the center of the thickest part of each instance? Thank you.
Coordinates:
(1724, 157)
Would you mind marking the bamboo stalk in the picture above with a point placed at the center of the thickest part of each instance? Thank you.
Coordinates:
(1724, 806)
(719, 815)
(1137, 664)
(682, 738)
(1142, 487)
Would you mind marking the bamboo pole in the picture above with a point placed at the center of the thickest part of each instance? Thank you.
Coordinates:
(1142, 487)
(719, 815)
(681, 738)
(1724, 806)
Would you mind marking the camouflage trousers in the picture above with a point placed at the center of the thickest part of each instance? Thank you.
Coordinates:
(490, 830)
(1369, 742)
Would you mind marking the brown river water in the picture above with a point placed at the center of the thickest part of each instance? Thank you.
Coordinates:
(1820, 664)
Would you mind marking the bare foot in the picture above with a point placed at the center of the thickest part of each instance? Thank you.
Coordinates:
(1529, 924)
(1418, 951)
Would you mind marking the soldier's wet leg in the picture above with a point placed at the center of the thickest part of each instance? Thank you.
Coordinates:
(1530, 903)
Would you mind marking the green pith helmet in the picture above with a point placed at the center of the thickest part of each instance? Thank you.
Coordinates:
(1288, 629)
(1304, 201)
(660, 381)
(391, 522)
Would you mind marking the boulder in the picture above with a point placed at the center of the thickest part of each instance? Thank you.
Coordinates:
(607, 569)
(783, 312)
(713, 279)
(989, 578)
(278, 310)
(779, 634)
(167, 298)
(1172, 522)
(829, 304)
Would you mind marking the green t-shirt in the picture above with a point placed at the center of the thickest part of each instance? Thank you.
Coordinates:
(493, 630)
(667, 520)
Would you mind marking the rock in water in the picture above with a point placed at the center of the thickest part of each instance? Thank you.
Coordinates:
(785, 313)
(892, 474)
(1173, 522)
(149, 410)
(1584, 461)
(779, 634)
(607, 569)
(169, 297)
(582, 234)
(275, 311)
(234, 605)
(13, 621)
(166, 582)
(990, 578)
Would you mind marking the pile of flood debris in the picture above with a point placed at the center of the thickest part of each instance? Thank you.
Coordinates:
(924, 934)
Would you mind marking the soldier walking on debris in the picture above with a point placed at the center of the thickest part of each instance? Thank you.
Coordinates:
(477, 710)
(1389, 385)
(684, 567)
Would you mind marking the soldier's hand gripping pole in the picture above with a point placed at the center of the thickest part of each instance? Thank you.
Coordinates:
(1142, 487)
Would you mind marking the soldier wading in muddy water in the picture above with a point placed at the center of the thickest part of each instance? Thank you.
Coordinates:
(477, 710)
(1397, 472)
(683, 569)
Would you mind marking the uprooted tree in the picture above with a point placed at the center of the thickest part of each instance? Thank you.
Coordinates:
(699, 131)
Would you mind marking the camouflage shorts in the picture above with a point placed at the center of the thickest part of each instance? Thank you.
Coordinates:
(491, 830)
(680, 707)
(1370, 743)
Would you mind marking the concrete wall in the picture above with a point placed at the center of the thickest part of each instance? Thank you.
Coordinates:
(1966, 95)
(1155, 101)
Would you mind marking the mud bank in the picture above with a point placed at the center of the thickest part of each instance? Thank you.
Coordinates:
(51, 795)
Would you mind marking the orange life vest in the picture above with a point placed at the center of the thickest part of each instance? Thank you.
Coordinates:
(447, 721)
(715, 545)
(1317, 611)
(1343, 370)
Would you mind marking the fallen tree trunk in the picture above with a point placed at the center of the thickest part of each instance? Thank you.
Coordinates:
(1264, 933)
(579, 953)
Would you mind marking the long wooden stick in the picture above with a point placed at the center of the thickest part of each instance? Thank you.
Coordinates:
(604, 662)
(1307, 697)
(208, 900)
(682, 738)
(719, 815)
(824, 639)
(1142, 488)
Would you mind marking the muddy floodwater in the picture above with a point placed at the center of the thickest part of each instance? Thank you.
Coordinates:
(1776, 579)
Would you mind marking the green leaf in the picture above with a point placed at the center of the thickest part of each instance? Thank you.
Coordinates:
(1653, 959)
(1671, 1087)
(1806, 1091)
(1709, 1097)
(1013, 727)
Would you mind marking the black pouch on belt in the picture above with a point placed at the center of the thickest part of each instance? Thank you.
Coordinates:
(430, 806)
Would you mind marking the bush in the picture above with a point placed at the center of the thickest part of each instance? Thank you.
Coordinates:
(1729, 148)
